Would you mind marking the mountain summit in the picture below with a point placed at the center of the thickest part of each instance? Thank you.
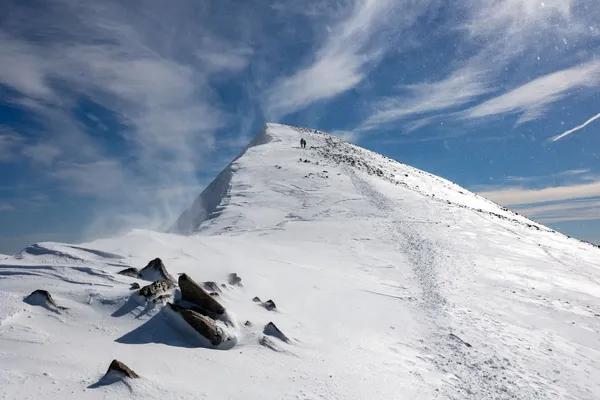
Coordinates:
(273, 182)
(307, 273)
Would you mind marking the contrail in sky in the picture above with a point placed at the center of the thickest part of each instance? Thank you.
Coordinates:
(586, 123)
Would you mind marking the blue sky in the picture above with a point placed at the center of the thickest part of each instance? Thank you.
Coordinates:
(114, 115)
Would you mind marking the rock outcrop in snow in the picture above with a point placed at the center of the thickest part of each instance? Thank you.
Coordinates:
(117, 367)
(131, 271)
(204, 325)
(159, 288)
(44, 299)
(154, 271)
(193, 293)
(272, 330)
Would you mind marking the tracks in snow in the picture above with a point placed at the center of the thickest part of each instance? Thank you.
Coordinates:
(469, 372)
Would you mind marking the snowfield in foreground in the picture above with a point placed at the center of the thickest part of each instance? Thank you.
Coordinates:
(385, 283)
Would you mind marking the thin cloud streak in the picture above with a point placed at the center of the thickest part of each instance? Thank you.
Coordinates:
(461, 87)
(496, 33)
(532, 99)
(520, 196)
(6, 207)
(577, 210)
(567, 133)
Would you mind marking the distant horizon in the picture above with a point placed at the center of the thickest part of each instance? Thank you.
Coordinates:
(115, 116)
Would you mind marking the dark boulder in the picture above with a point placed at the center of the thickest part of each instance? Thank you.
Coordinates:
(118, 367)
(133, 272)
(272, 330)
(154, 271)
(134, 286)
(257, 299)
(202, 324)
(193, 293)
(269, 305)
(44, 299)
(234, 279)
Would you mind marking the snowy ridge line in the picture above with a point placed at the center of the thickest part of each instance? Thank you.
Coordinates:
(333, 143)
(206, 205)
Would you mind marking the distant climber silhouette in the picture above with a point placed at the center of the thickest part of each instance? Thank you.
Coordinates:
(303, 143)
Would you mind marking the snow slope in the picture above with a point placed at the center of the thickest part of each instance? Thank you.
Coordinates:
(390, 283)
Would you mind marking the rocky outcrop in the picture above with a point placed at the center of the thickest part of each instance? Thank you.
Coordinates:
(272, 330)
(269, 305)
(234, 279)
(193, 293)
(155, 270)
(44, 299)
(156, 289)
(118, 367)
(133, 272)
(202, 324)
(134, 286)
(257, 299)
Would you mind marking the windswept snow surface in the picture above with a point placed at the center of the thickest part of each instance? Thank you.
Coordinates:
(390, 283)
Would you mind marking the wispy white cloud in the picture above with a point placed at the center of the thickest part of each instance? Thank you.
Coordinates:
(576, 199)
(151, 70)
(531, 99)
(574, 172)
(461, 87)
(495, 34)
(579, 127)
(574, 210)
(102, 178)
(520, 195)
(515, 19)
(42, 153)
(6, 207)
(10, 143)
(349, 47)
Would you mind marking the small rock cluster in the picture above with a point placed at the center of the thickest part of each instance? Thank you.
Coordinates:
(196, 306)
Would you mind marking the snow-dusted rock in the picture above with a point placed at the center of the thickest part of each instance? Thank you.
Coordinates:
(156, 289)
(117, 367)
(132, 272)
(269, 305)
(44, 299)
(193, 293)
(154, 271)
(272, 330)
(202, 324)
(234, 279)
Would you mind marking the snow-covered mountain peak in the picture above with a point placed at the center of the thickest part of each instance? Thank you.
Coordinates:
(325, 272)
(274, 182)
